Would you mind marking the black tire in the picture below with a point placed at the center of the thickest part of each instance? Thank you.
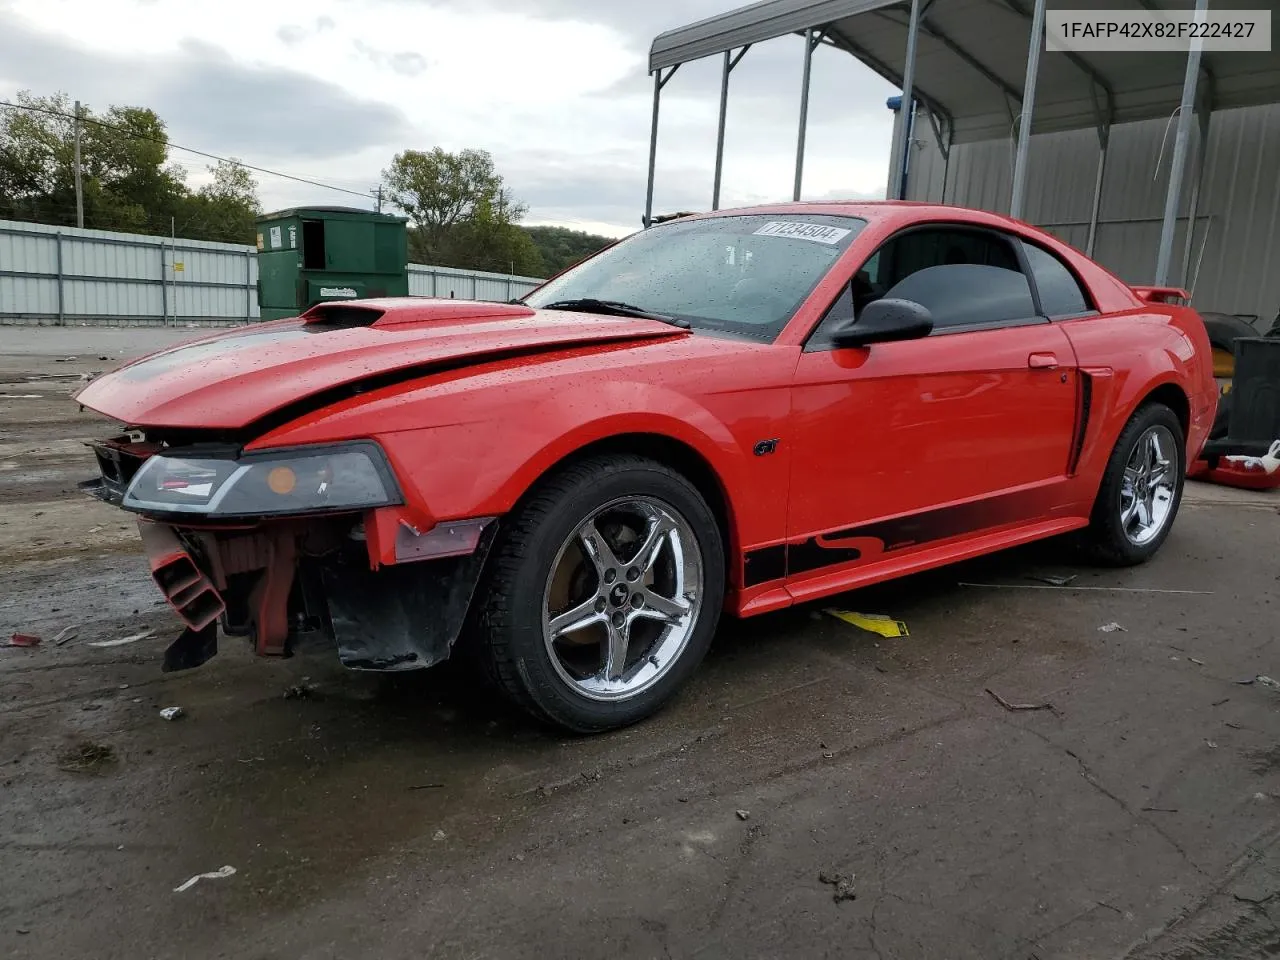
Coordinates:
(1105, 538)
(1224, 329)
(510, 643)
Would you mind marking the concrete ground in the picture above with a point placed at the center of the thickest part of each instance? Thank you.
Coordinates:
(1138, 817)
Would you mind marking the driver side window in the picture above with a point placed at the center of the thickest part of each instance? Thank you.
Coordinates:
(965, 277)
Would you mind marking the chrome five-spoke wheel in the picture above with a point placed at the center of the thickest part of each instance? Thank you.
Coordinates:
(622, 598)
(603, 592)
(1149, 485)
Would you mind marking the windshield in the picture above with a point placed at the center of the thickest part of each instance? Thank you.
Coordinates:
(741, 274)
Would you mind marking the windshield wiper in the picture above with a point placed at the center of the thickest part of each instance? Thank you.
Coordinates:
(615, 308)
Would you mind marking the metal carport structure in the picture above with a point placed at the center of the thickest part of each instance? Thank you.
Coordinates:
(978, 70)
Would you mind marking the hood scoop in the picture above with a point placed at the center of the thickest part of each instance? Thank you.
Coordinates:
(390, 313)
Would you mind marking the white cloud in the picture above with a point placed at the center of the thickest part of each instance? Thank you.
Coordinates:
(557, 90)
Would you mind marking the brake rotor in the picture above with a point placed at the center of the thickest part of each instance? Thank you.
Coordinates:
(575, 580)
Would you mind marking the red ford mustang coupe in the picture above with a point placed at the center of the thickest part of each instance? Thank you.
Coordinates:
(738, 411)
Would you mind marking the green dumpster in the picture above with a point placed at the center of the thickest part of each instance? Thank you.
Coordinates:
(311, 255)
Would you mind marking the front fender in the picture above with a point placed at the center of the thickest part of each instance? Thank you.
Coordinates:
(472, 469)
(473, 444)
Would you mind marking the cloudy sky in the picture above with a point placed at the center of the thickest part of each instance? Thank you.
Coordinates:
(556, 90)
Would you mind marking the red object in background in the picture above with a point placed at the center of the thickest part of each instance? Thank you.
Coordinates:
(876, 461)
(24, 640)
(1231, 474)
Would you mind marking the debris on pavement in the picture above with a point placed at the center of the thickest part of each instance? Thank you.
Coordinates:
(220, 873)
(172, 713)
(300, 691)
(879, 623)
(1054, 581)
(1018, 706)
(743, 815)
(427, 786)
(1211, 744)
(843, 882)
(23, 640)
(1112, 627)
(132, 638)
(85, 755)
(440, 835)
(1261, 681)
(1198, 663)
(1041, 586)
(65, 635)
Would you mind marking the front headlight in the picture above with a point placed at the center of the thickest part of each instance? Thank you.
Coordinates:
(349, 476)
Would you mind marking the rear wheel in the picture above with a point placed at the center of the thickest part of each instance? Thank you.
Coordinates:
(1141, 489)
(603, 594)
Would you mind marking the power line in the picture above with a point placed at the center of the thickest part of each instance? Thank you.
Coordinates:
(175, 146)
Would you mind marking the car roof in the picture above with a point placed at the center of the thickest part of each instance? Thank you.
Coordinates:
(894, 212)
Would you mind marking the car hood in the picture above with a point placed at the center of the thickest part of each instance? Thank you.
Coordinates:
(233, 379)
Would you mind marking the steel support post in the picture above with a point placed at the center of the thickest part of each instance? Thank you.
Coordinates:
(1018, 197)
(804, 111)
(653, 147)
(1197, 182)
(1104, 142)
(1180, 143)
(907, 110)
(730, 61)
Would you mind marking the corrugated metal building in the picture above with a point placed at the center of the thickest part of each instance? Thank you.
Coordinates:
(63, 274)
(1236, 243)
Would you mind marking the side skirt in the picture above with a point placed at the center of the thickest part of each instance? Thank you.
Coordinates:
(888, 566)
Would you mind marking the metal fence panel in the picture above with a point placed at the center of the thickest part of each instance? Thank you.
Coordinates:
(52, 274)
(450, 283)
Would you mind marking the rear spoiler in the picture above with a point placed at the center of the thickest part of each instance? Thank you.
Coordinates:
(1174, 295)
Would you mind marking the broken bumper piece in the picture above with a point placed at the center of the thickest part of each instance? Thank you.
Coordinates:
(391, 598)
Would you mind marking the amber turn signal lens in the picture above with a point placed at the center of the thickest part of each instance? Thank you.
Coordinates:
(282, 480)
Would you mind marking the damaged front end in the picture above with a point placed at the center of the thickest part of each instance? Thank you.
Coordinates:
(288, 546)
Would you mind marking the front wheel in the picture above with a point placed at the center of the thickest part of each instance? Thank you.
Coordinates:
(603, 594)
(1141, 489)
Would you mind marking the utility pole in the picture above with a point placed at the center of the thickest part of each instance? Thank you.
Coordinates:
(79, 184)
(379, 198)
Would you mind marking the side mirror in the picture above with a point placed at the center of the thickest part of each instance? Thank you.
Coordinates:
(886, 320)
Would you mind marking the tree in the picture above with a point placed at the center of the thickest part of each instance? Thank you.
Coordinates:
(227, 207)
(562, 248)
(461, 212)
(129, 182)
(37, 180)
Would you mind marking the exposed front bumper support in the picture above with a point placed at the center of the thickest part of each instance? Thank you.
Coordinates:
(401, 617)
(278, 579)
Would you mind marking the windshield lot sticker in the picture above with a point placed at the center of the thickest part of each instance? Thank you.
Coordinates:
(796, 230)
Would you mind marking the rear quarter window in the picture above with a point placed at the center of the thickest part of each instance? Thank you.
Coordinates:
(1061, 294)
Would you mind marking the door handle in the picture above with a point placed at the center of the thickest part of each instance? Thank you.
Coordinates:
(1043, 361)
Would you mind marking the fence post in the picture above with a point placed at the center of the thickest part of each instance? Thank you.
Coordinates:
(164, 288)
(62, 317)
(248, 287)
